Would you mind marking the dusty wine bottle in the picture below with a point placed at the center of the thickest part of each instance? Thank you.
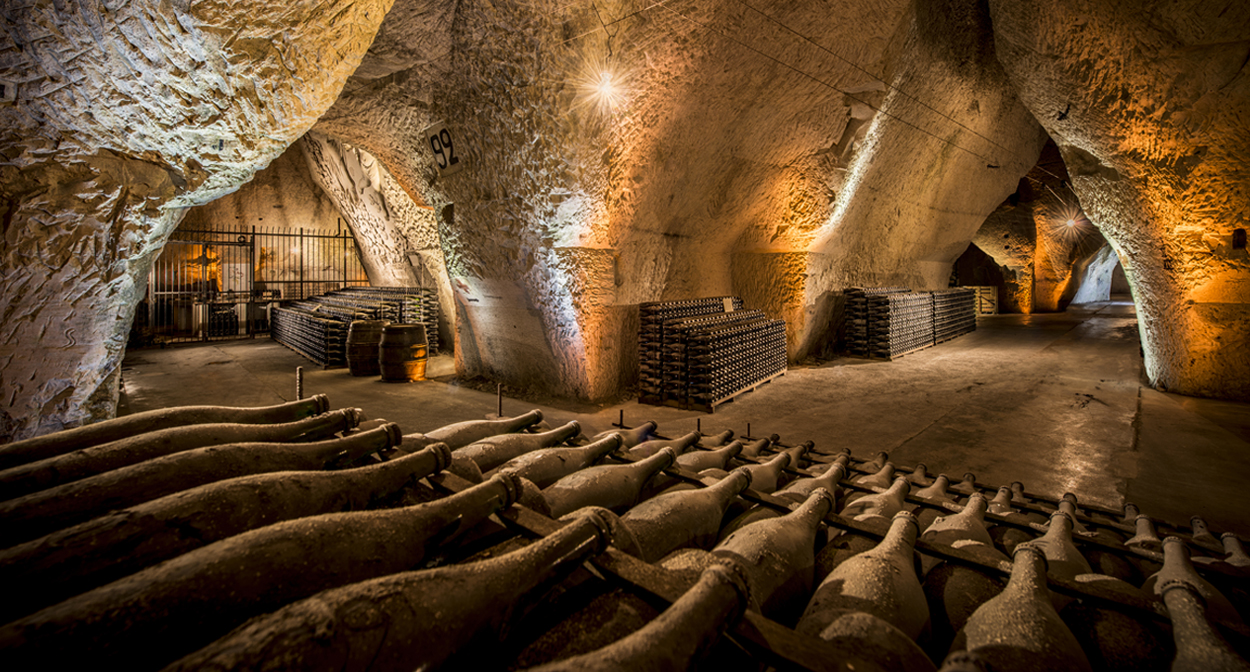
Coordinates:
(778, 555)
(1178, 567)
(1199, 648)
(71, 561)
(764, 477)
(493, 451)
(546, 466)
(1146, 536)
(881, 582)
(35, 476)
(684, 518)
(1063, 560)
(879, 507)
(613, 486)
(162, 613)
(1202, 534)
(919, 474)
(630, 437)
(57, 443)
(936, 491)
(756, 448)
(679, 636)
(1019, 629)
(1234, 550)
(49, 510)
(461, 434)
(717, 440)
(698, 460)
(416, 619)
(881, 479)
(967, 525)
(649, 448)
(797, 492)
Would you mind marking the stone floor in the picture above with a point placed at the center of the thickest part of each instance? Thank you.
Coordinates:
(1055, 401)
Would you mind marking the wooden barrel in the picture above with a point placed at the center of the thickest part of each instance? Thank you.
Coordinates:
(363, 337)
(402, 352)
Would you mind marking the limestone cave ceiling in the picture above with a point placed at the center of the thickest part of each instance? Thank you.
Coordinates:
(779, 151)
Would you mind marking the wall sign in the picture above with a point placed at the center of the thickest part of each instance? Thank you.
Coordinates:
(448, 155)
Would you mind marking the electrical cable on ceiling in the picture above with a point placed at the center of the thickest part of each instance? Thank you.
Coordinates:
(990, 163)
(923, 104)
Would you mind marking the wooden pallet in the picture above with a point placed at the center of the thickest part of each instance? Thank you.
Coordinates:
(711, 408)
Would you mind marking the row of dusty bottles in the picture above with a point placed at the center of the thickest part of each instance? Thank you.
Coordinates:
(177, 538)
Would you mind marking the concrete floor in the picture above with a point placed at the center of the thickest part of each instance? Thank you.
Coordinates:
(1054, 401)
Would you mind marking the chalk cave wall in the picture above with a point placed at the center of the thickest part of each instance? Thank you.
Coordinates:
(126, 115)
(282, 195)
(1149, 104)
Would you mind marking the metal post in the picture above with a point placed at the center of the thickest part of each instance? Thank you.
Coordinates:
(299, 383)
(621, 421)
(499, 394)
(748, 429)
(301, 262)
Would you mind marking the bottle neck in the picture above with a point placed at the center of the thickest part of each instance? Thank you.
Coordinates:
(975, 509)
(818, 505)
(1001, 504)
(898, 490)
(1028, 573)
(728, 487)
(1176, 557)
(1191, 630)
(937, 489)
(650, 465)
(592, 452)
(1060, 528)
(901, 539)
(832, 476)
(559, 434)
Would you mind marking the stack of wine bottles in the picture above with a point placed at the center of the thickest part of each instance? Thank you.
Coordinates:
(405, 305)
(857, 316)
(316, 327)
(173, 540)
(701, 353)
(651, 337)
(890, 322)
(899, 323)
(954, 313)
(320, 337)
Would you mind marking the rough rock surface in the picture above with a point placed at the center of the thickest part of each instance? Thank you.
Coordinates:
(779, 156)
(398, 239)
(1149, 103)
(283, 195)
(1030, 237)
(126, 114)
(1098, 276)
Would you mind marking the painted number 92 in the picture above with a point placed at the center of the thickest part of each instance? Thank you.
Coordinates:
(444, 151)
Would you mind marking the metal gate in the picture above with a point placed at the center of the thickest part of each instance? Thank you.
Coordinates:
(213, 285)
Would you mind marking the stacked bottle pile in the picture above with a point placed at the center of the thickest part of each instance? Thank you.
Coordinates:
(889, 322)
(406, 305)
(320, 337)
(651, 337)
(899, 323)
(954, 313)
(857, 316)
(152, 551)
(316, 327)
(725, 361)
(676, 363)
